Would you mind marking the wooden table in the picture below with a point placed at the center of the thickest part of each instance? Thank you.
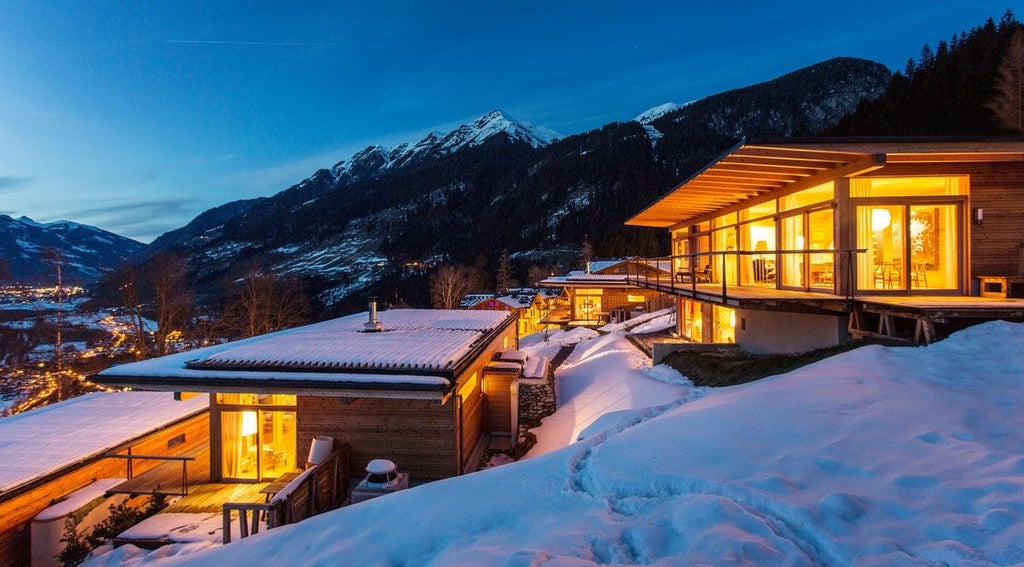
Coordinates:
(278, 484)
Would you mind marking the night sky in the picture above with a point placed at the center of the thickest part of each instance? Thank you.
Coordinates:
(137, 116)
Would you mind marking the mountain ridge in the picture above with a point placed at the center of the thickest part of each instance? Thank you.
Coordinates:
(499, 183)
(86, 252)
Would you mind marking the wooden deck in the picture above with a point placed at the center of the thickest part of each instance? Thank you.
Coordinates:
(211, 497)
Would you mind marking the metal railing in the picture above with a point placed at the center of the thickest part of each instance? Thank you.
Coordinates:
(710, 268)
(131, 458)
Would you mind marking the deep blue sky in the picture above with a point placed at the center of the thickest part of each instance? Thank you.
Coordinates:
(137, 116)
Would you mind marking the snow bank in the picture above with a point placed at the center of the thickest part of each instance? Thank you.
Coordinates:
(879, 456)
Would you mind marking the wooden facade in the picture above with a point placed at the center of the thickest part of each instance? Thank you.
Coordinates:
(432, 439)
(19, 505)
(607, 291)
(850, 220)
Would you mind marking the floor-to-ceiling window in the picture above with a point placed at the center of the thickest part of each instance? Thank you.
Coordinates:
(256, 435)
(910, 231)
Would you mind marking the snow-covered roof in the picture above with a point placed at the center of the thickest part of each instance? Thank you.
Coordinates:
(583, 279)
(417, 349)
(36, 443)
(473, 299)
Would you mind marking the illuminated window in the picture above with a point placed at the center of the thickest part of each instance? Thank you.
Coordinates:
(635, 298)
(257, 434)
(815, 195)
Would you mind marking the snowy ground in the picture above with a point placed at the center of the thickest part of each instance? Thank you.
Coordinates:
(878, 456)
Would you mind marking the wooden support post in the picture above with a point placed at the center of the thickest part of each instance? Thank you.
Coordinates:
(925, 330)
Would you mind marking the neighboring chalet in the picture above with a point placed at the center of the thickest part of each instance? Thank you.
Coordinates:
(405, 385)
(51, 452)
(793, 246)
(533, 305)
(607, 290)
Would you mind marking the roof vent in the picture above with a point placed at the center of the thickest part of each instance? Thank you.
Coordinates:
(373, 325)
(382, 477)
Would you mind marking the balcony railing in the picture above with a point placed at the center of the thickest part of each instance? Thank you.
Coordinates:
(707, 269)
(318, 489)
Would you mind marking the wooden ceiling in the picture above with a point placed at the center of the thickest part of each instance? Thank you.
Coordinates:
(751, 171)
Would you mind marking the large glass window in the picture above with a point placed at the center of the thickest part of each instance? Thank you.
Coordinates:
(912, 247)
(908, 186)
(793, 240)
(588, 304)
(820, 245)
(257, 435)
(934, 254)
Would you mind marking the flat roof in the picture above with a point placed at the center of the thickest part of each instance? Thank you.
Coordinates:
(42, 441)
(748, 171)
(416, 349)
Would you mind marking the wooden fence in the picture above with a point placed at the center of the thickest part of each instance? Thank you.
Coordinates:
(318, 489)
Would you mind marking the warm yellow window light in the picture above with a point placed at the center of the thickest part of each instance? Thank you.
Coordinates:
(880, 219)
(248, 423)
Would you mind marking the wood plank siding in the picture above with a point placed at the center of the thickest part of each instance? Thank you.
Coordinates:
(418, 435)
(20, 505)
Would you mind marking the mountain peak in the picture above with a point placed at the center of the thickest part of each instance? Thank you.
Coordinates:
(653, 114)
(493, 123)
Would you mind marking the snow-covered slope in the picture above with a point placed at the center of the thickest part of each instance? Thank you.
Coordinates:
(86, 252)
(879, 456)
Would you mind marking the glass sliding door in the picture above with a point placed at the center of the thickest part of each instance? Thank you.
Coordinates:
(793, 240)
(909, 247)
(257, 435)
(820, 245)
(934, 250)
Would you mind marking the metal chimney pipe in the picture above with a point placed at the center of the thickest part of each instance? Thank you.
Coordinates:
(373, 325)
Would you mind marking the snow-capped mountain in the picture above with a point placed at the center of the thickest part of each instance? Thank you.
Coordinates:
(650, 115)
(647, 118)
(376, 159)
(499, 183)
(86, 252)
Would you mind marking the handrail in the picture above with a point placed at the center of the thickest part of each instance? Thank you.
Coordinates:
(842, 262)
(130, 457)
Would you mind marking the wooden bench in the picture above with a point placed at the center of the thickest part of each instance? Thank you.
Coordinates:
(1001, 286)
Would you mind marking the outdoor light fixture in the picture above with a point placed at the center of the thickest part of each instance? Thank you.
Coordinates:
(979, 215)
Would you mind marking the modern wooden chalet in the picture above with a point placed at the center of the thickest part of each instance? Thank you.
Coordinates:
(532, 305)
(51, 452)
(607, 290)
(403, 384)
(785, 247)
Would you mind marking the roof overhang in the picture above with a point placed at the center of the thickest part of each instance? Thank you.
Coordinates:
(752, 172)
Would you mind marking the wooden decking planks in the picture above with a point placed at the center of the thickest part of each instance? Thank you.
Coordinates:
(211, 497)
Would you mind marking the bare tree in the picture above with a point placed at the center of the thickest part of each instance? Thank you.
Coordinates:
(537, 273)
(260, 302)
(167, 275)
(449, 284)
(503, 279)
(1008, 103)
(586, 253)
(131, 301)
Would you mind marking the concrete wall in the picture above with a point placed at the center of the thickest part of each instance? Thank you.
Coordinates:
(764, 332)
